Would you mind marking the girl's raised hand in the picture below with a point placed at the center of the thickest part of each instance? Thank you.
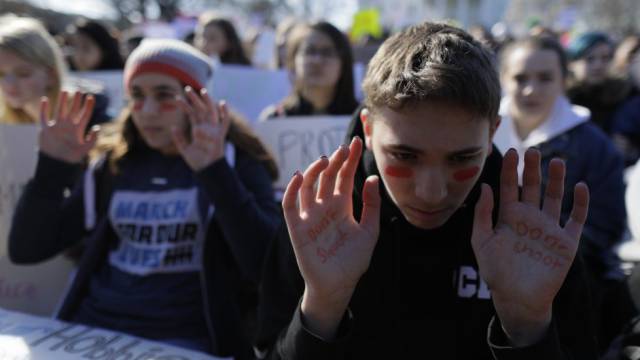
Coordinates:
(209, 124)
(63, 137)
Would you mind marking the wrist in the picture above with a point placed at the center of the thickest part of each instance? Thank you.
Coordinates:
(525, 330)
(322, 314)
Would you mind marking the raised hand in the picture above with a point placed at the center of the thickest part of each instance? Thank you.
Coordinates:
(332, 249)
(525, 258)
(63, 137)
(209, 126)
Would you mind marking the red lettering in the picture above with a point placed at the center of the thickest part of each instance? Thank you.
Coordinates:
(535, 234)
(466, 174)
(398, 171)
(322, 254)
(522, 229)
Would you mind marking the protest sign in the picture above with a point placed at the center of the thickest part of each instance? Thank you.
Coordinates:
(296, 142)
(34, 288)
(249, 90)
(108, 82)
(25, 337)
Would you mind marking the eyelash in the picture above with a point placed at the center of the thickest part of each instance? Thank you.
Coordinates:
(402, 156)
(463, 159)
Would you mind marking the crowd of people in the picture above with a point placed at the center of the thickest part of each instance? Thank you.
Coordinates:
(475, 209)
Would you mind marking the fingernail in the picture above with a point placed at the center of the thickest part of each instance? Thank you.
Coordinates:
(323, 157)
(203, 91)
(296, 173)
(95, 128)
(188, 88)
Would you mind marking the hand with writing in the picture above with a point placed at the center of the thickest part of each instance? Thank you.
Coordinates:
(332, 249)
(526, 256)
(209, 124)
(63, 137)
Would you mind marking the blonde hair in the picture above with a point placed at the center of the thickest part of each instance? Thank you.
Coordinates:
(28, 39)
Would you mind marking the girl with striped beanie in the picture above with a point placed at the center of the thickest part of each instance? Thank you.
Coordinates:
(175, 211)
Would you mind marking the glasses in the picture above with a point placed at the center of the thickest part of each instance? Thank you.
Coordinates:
(326, 53)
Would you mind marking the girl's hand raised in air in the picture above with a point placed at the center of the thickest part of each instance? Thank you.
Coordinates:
(209, 124)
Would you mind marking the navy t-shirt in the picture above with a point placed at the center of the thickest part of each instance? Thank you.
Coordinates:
(150, 284)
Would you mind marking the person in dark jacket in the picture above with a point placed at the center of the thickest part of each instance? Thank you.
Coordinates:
(320, 64)
(607, 96)
(163, 212)
(395, 255)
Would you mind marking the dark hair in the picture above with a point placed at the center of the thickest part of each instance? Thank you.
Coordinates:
(344, 100)
(433, 61)
(234, 54)
(541, 42)
(121, 139)
(104, 39)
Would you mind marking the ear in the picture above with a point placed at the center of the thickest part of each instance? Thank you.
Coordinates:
(367, 126)
(492, 131)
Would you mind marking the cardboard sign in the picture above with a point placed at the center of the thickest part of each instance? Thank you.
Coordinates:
(35, 289)
(296, 142)
(34, 338)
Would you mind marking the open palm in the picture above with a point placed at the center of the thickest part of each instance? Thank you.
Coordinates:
(209, 124)
(63, 137)
(525, 258)
(332, 249)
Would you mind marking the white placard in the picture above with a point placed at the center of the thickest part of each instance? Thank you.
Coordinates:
(249, 90)
(34, 289)
(25, 337)
(110, 82)
(296, 142)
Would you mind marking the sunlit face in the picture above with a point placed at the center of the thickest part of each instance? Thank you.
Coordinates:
(23, 83)
(533, 79)
(86, 55)
(317, 62)
(155, 110)
(594, 65)
(429, 156)
(211, 41)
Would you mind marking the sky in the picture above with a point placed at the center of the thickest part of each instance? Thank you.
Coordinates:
(101, 9)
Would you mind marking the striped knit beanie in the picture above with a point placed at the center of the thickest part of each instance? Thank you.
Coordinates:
(170, 57)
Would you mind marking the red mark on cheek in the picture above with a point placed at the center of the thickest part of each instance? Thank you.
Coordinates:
(466, 174)
(398, 171)
(168, 106)
(137, 105)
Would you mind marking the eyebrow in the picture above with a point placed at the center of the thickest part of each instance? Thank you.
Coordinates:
(406, 148)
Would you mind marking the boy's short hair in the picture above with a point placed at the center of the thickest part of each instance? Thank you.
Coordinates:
(433, 61)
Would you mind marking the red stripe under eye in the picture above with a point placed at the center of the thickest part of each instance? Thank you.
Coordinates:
(168, 106)
(398, 171)
(466, 174)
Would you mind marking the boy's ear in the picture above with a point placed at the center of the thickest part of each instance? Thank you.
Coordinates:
(366, 125)
(492, 131)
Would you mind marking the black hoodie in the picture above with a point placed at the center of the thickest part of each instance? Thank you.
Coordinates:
(422, 295)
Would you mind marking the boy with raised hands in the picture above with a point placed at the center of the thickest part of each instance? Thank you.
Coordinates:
(423, 245)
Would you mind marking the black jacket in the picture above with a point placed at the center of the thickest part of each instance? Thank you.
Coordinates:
(422, 295)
